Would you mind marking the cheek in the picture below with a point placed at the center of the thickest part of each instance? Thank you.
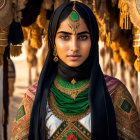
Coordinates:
(86, 48)
(60, 47)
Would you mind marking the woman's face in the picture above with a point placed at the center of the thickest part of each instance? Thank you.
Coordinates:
(73, 48)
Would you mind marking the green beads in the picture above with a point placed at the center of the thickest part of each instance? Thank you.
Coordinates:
(74, 16)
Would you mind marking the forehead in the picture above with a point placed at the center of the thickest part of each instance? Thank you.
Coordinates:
(65, 27)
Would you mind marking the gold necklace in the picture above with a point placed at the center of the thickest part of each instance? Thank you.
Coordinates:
(71, 92)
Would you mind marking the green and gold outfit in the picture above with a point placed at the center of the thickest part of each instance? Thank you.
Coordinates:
(98, 108)
(74, 122)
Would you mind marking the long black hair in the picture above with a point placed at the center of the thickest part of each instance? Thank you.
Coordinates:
(103, 122)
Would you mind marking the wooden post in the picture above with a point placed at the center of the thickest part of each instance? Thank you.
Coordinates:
(1, 101)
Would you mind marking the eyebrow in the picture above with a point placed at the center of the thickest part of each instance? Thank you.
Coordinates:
(68, 33)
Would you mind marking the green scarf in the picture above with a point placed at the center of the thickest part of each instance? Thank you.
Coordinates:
(68, 105)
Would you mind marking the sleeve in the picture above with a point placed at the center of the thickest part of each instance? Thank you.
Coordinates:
(20, 130)
(127, 119)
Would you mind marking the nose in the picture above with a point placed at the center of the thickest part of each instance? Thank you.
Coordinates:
(74, 44)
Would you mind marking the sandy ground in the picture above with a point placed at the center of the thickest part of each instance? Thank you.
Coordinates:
(21, 86)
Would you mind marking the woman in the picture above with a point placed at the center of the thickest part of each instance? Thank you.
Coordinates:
(73, 99)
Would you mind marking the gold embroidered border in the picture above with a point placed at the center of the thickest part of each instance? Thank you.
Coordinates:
(62, 116)
(71, 92)
(123, 131)
(20, 128)
(127, 122)
(81, 134)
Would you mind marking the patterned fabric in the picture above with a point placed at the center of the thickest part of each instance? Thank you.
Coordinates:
(54, 125)
(71, 131)
(21, 124)
(128, 123)
(127, 120)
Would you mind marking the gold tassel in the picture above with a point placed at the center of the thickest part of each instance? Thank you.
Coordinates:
(119, 4)
(35, 37)
(15, 50)
(125, 22)
(116, 52)
(42, 20)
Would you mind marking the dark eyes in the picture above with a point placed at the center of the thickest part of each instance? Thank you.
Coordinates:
(83, 37)
(79, 37)
(65, 37)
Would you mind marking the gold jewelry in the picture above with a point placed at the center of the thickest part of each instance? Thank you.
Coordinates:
(55, 54)
(71, 92)
(74, 19)
(73, 81)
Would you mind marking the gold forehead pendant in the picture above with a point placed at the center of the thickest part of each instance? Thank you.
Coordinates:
(74, 19)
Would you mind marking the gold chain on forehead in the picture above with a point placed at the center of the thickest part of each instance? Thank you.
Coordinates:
(74, 19)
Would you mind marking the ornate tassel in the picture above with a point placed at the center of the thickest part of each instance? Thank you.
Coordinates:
(15, 50)
(125, 22)
(15, 33)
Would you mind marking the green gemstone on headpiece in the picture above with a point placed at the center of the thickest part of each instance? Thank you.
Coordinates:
(74, 16)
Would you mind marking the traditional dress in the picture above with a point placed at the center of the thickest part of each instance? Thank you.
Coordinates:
(99, 109)
(78, 127)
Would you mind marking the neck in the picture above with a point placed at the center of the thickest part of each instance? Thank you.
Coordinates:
(70, 73)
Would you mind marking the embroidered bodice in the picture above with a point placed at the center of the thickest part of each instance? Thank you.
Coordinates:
(58, 129)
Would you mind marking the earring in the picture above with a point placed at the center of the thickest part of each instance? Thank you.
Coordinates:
(55, 59)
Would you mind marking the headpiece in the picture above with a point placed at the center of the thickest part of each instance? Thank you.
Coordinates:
(74, 19)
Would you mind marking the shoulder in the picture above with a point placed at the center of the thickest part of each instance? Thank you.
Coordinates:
(21, 123)
(31, 92)
(127, 119)
(112, 83)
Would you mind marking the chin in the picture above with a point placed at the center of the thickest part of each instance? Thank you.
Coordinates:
(74, 64)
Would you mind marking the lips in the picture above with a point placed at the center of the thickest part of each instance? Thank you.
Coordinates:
(74, 57)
